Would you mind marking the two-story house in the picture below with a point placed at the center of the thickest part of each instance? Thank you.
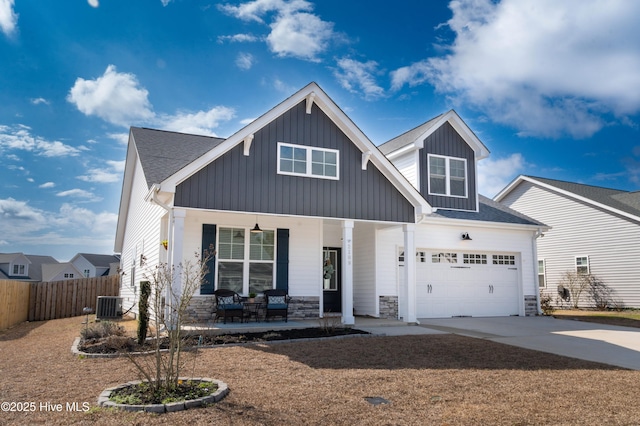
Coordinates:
(314, 187)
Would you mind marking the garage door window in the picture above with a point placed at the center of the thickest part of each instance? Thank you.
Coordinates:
(444, 258)
(500, 259)
(474, 259)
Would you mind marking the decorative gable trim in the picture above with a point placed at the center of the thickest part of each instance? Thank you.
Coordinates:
(312, 94)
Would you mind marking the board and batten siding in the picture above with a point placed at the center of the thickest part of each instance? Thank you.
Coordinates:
(142, 237)
(236, 182)
(447, 142)
(611, 242)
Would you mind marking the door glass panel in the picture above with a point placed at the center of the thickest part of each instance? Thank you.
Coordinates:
(330, 270)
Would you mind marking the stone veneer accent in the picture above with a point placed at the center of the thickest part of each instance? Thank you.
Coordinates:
(202, 308)
(530, 305)
(388, 307)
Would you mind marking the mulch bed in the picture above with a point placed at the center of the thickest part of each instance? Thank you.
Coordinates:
(599, 319)
(124, 344)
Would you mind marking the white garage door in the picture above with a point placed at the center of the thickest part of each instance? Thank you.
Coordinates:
(453, 284)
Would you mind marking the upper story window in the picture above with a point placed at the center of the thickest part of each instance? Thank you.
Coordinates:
(308, 161)
(86, 273)
(19, 269)
(447, 176)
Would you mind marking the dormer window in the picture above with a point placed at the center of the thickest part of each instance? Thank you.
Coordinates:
(447, 176)
(19, 269)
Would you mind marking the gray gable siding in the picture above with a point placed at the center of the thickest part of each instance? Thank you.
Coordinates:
(238, 183)
(446, 141)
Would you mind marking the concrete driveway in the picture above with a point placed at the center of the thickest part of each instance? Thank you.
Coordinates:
(619, 346)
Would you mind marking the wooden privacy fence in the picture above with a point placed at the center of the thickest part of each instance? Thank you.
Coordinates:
(63, 299)
(14, 303)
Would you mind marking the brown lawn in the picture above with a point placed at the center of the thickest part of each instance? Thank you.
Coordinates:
(432, 379)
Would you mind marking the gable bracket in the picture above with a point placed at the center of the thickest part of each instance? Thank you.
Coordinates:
(310, 97)
(365, 159)
(247, 144)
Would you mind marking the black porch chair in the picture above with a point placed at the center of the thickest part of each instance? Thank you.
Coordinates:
(277, 304)
(228, 305)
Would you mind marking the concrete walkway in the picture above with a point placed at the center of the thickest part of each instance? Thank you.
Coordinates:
(618, 346)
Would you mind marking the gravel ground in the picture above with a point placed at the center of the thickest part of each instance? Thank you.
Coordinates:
(430, 379)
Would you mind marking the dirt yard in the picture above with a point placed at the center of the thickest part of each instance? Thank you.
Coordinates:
(430, 379)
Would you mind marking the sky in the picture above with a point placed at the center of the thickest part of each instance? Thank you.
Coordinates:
(551, 87)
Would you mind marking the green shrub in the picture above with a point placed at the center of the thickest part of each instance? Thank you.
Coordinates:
(143, 310)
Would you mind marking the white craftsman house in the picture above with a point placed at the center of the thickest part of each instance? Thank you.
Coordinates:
(594, 230)
(318, 188)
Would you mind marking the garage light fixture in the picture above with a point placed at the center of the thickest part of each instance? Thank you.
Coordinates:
(465, 236)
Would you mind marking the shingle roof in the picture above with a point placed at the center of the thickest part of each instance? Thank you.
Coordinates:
(489, 211)
(407, 137)
(163, 153)
(100, 260)
(628, 202)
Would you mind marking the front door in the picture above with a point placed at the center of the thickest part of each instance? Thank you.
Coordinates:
(332, 291)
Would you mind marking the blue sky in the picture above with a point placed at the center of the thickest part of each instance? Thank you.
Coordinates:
(551, 87)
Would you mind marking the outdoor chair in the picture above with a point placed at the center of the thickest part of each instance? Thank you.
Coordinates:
(228, 305)
(277, 304)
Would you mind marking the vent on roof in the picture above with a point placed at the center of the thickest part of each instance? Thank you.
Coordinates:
(109, 307)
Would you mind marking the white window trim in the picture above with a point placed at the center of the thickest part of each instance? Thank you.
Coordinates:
(447, 176)
(309, 150)
(544, 273)
(246, 261)
(19, 274)
(575, 264)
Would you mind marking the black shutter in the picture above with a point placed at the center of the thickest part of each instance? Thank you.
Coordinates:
(282, 260)
(209, 244)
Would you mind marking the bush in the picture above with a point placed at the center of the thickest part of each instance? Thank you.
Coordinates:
(600, 293)
(101, 330)
(545, 304)
(143, 310)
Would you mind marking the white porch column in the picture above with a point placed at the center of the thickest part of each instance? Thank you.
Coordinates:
(347, 272)
(408, 305)
(175, 260)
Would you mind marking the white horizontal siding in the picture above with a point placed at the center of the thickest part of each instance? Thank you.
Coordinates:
(407, 164)
(578, 229)
(305, 243)
(141, 238)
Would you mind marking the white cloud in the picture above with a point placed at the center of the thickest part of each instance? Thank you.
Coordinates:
(122, 138)
(20, 137)
(78, 193)
(93, 3)
(201, 122)
(244, 61)
(18, 215)
(494, 175)
(38, 101)
(165, 2)
(547, 68)
(8, 18)
(238, 38)
(111, 174)
(114, 97)
(295, 32)
(359, 77)
(47, 185)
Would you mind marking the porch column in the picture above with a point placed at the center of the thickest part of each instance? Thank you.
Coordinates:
(347, 272)
(408, 305)
(175, 260)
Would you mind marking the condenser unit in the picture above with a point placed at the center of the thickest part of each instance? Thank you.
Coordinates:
(109, 307)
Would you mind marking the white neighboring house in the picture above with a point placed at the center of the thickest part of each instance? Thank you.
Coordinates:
(594, 230)
(96, 265)
(317, 188)
(23, 267)
(60, 272)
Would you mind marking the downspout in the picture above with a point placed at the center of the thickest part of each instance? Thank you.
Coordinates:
(534, 244)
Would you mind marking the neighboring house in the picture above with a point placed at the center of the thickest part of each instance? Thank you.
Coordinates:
(60, 272)
(594, 230)
(23, 267)
(318, 188)
(96, 265)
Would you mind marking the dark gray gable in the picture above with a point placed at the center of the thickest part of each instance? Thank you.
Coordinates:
(239, 183)
(446, 141)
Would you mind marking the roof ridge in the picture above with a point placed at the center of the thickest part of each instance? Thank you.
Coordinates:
(577, 183)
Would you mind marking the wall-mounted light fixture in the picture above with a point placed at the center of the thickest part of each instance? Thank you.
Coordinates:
(256, 229)
(465, 236)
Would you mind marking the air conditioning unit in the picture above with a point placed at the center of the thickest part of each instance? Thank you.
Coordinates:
(109, 307)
